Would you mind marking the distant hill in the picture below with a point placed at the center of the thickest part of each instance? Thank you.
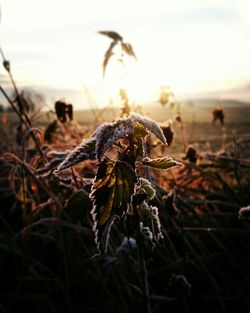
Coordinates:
(213, 102)
(201, 112)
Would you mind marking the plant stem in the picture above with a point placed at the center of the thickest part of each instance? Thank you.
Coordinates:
(183, 137)
(27, 125)
(143, 274)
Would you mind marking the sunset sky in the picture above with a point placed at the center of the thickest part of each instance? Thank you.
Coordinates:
(195, 47)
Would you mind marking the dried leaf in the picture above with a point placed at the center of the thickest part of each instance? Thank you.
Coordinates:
(111, 34)
(161, 163)
(128, 49)
(168, 133)
(107, 56)
(6, 65)
(111, 194)
(50, 131)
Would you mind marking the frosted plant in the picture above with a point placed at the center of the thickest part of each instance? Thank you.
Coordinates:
(156, 222)
(146, 232)
(117, 191)
(81, 153)
(244, 212)
(127, 245)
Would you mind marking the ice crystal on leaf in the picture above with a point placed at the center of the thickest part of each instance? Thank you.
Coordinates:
(150, 124)
(85, 151)
(161, 163)
(108, 133)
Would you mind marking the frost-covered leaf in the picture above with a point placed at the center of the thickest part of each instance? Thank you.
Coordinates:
(108, 133)
(111, 194)
(144, 186)
(156, 224)
(161, 163)
(149, 124)
(140, 133)
(58, 157)
(85, 151)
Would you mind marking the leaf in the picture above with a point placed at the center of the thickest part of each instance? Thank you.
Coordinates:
(150, 124)
(144, 186)
(85, 151)
(168, 133)
(107, 56)
(111, 34)
(128, 49)
(138, 198)
(53, 163)
(50, 131)
(111, 194)
(161, 163)
(108, 133)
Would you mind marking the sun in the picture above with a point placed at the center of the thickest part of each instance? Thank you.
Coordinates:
(127, 75)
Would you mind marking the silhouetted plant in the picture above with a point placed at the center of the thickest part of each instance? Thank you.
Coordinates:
(116, 178)
(191, 155)
(125, 102)
(168, 133)
(126, 48)
(218, 114)
(166, 96)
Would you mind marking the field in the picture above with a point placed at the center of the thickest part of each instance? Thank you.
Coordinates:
(180, 244)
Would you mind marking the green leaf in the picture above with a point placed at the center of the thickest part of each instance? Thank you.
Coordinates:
(111, 194)
(146, 187)
(161, 163)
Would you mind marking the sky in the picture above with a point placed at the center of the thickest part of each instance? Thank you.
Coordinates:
(195, 47)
